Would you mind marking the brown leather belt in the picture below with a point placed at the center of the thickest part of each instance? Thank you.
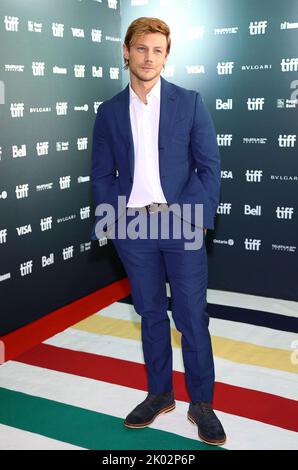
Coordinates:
(151, 208)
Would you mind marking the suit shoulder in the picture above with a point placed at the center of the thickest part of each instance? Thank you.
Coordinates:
(184, 91)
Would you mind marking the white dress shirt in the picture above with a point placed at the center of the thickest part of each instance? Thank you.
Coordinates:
(144, 120)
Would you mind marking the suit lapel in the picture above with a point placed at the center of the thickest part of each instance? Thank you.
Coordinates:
(123, 118)
(168, 109)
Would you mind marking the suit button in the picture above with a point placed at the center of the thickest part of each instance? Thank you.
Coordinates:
(131, 180)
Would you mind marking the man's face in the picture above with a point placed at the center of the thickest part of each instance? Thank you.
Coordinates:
(147, 56)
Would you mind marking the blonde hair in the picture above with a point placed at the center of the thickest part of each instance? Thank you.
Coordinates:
(144, 25)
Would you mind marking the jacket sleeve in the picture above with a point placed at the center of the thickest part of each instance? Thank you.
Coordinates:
(105, 185)
(206, 154)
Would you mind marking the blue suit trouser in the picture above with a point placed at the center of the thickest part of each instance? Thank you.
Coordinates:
(147, 262)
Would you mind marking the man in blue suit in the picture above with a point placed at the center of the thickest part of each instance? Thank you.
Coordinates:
(154, 145)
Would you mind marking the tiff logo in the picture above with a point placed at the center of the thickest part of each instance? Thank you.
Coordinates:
(114, 73)
(287, 140)
(224, 208)
(255, 104)
(225, 68)
(257, 27)
(254, 176)
(46, 223)
(112, 4)
(85, 212)
(17, 110)
(22, 191)
(289, 65)
(58, 30)
(61, 108)
(79, 70)
(252, 244)
(42, 148)
(38, 69)
(82, 143)
(284, 212)
(3, 235)
(26, 268)
(68, 252)
(11, 23)
(224, 140)
(64, 182)
(96, 35)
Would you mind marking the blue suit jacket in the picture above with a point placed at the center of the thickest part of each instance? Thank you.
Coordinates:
(189, 161)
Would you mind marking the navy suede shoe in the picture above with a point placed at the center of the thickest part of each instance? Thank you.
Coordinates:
(209, 427)
(151, 407)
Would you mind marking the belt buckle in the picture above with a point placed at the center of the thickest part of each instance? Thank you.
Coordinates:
(153, 207)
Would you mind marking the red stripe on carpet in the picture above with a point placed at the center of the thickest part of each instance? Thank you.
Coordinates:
(252, 404)
(25, 338)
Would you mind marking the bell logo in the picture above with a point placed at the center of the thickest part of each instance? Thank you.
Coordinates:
(220, 104)
(248, 210)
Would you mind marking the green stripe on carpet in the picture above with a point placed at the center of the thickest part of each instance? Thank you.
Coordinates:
(85, 428)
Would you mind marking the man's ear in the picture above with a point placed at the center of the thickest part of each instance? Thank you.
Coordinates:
(125, 51)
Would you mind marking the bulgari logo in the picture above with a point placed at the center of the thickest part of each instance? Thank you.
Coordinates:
(256, 67)
(41, 110)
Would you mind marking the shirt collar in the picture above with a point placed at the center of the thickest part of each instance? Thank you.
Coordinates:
(155, 91)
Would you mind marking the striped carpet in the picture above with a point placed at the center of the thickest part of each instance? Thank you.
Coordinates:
(73, 390)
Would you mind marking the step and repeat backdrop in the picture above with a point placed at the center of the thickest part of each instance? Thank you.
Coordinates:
(59, 61)
(243, 58)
